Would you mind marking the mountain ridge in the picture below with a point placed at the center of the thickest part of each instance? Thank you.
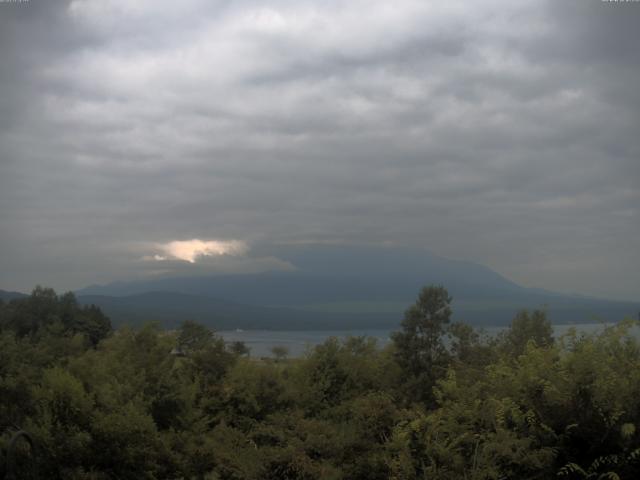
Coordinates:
(334, 288)
(344, 286)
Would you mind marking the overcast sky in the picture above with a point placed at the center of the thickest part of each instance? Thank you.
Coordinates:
(502, 132)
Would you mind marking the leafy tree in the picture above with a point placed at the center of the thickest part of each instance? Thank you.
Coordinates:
(194, 336)
(91, 322)
(252, 392)
(122, 406)
(280, 352)
(239, 349)
(420, 349)
(43, 310)
(528, 327)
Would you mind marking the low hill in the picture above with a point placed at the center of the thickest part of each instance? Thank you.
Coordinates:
(7, 295)
(170, 309)
(342, 287)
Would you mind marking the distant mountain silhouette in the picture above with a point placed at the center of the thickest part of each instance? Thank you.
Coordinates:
(6, 295)
(341, 287)
(170, 309)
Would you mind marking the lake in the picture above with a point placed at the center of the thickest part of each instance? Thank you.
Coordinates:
(298, 341)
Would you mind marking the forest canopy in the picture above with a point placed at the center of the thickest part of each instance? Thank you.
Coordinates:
(441, 401)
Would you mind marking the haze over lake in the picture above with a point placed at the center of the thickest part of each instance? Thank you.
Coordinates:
(261, 342)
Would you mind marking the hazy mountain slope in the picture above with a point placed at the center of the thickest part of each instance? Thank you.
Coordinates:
(345, 287)
(6, 295)
(331, 273)
(170, 309)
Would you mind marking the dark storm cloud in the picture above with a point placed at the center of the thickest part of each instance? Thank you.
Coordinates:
(500, 132)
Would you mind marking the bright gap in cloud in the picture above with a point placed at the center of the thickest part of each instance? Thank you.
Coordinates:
(190, 250)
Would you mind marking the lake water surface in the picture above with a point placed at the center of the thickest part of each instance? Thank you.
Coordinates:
(299, 341)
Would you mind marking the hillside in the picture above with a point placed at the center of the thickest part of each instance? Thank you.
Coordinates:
(170, 309)
(341, 287)
(6, 295)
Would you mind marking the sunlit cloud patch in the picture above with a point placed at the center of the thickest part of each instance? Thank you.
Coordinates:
(191, 250)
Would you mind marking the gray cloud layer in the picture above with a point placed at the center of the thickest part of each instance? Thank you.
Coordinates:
(501, 132)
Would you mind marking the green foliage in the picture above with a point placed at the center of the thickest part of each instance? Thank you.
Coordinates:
(193, 337)
(420, 349)
(45, 312)
(280, 352)
(527, 327)
(149, 404)
(239, 349)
